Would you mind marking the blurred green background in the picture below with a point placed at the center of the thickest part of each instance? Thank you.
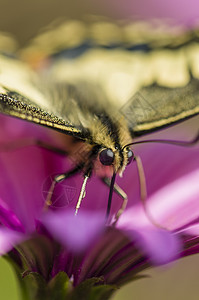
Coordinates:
(23, 18)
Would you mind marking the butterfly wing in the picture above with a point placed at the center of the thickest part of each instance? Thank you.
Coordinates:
(66, 105)
(20, 97)
(63, 104)
(149, 96)
(155, 107)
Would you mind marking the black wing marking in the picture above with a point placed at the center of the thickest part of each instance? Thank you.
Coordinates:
(14, 104)
(155, 107)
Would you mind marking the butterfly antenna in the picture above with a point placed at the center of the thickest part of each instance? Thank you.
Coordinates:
(171, 142)
(110, 196)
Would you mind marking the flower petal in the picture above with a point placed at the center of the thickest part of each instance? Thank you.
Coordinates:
(9, 219)
(22, 166)
(159, 245)
(75, 232)
(191, 230)
(177, 204)
(173, 206)
(8, 239)
(163, 163)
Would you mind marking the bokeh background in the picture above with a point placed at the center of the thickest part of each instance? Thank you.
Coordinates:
(23, 18)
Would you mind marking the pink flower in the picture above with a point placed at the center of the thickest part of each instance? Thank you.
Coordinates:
(86, 247)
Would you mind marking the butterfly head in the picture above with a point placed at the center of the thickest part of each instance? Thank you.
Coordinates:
(107, 156)
(113, 160)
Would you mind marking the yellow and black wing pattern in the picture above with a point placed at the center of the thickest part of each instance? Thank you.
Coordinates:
(104, 68)
(155, 107)
(25, 95)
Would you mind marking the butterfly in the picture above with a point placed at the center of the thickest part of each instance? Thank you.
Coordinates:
(79, 95)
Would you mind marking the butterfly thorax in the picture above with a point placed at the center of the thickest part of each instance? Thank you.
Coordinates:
(111, 132)
(103, 126)
(105, 132)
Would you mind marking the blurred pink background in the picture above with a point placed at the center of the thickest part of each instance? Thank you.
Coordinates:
(24, 18)
(183, 11)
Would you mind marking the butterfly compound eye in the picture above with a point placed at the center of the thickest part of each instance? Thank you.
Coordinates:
(106, 157)
(130, 156)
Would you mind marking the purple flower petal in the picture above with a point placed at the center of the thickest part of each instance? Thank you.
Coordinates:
(191, 230)
(162, 163)
(159, 245)
(75, 232)
(173, 206)
(8, 239)
(177, 204)
(9, 219)
(25, 170)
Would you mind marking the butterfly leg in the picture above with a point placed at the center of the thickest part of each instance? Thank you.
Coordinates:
(82, 194)
(192, 142)
(14, 145)
(142, 181)
(87, 175)
(59, 178)
(121, 193)
(143, 190)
